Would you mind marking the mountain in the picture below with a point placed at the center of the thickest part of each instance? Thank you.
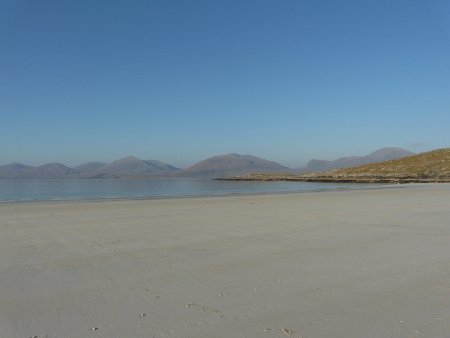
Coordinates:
(231, 164)
(134, 167)
(383, 154)
(15, 170)
(52, 170)
(49, 170)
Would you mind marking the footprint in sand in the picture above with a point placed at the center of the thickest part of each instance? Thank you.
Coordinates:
(286, 332)
(204, 308)
(290, 333)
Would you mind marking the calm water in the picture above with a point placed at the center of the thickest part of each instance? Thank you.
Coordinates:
(78, 189)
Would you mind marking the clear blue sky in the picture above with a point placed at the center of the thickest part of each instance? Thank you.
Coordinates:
(180, 81)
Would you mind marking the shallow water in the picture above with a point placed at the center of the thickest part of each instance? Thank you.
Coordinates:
(91, 189)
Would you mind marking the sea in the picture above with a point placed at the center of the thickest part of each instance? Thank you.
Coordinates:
(23, 190)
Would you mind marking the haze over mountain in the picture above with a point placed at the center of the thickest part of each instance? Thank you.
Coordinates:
(232, 164)
(383, 154)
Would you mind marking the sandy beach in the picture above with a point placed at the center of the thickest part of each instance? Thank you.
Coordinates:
(366, 263)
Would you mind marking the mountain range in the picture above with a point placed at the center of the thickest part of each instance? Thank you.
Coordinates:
(213, 167)
(126, 167)
(380, 155)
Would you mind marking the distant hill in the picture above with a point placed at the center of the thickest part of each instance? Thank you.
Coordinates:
(49, 170)
(432, 166)
(232, 164)
(383, 154)
(15, 170)
(53, 170)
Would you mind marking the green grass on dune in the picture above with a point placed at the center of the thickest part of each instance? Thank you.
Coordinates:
(431, 164)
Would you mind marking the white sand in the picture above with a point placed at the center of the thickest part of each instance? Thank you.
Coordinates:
(372, 263)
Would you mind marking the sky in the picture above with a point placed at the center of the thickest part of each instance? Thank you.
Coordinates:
(180, 81)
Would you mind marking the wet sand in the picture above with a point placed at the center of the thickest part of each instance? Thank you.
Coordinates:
(369, 263)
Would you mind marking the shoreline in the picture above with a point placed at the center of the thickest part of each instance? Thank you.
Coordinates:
(151, 198)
